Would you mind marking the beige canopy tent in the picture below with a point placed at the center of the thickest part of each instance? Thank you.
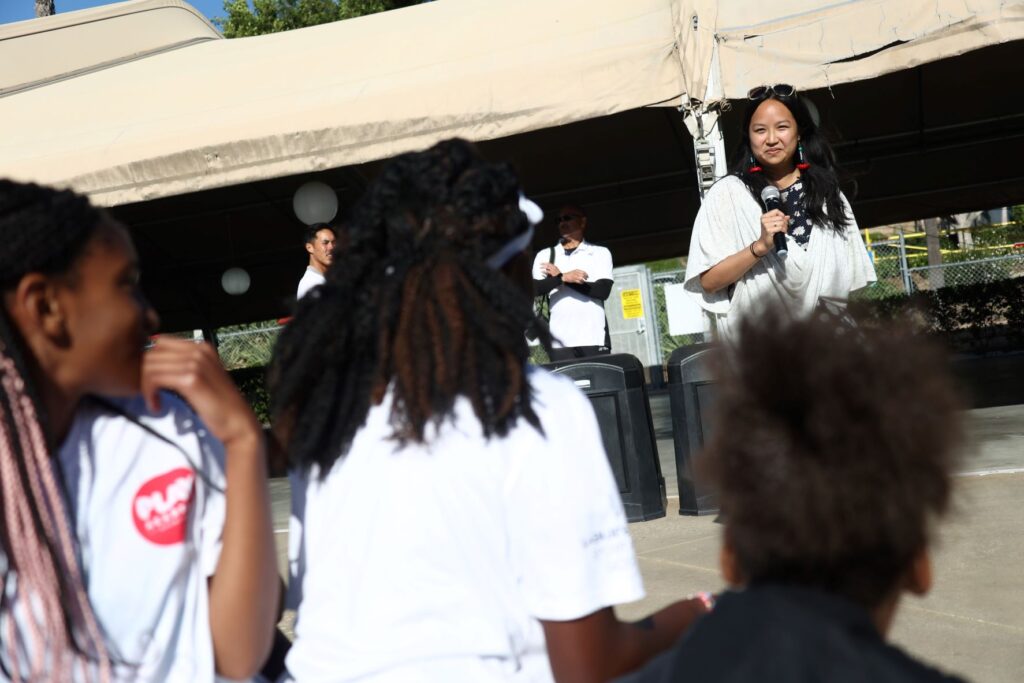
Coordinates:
(213, 113)
(62, 46)
(819, 44)
(199, 142)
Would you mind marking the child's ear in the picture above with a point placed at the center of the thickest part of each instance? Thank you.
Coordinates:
(35, 306)
(729, 563)
(919, 578)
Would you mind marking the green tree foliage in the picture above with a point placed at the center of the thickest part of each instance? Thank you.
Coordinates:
(272, 16)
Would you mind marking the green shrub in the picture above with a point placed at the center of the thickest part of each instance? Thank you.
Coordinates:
(538, 356)
(985, 316)
(252, 383)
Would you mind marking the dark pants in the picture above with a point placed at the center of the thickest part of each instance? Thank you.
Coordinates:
(274, 666)
(574, 352)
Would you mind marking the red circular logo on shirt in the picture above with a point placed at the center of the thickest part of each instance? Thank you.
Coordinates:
(160, 508)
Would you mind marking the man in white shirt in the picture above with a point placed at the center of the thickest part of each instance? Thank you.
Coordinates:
(320, 242)
(577, 277)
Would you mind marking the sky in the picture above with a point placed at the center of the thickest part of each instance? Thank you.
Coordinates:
(19, 10)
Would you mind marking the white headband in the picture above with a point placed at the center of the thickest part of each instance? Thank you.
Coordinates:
(534, 215)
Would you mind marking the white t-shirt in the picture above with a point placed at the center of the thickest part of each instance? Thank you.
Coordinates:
(576, 319)
(149, 531)
(432, 564)
(310, 279)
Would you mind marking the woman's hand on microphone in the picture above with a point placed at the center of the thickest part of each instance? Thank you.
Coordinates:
(772, 222)
(732, 268)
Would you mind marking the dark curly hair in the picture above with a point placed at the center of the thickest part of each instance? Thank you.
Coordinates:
(820, 181)
(42, 231)
(412, 307)
(832, 466)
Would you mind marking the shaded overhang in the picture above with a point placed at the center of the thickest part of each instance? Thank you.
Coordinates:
(580, 96)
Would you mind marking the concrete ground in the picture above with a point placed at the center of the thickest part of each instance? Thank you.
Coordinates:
(971, 624)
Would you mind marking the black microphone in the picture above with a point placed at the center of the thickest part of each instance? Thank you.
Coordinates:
(772, 200)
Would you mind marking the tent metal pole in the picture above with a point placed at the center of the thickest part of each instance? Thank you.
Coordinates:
(702, 120)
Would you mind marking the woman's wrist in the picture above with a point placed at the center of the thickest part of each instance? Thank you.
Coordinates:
(706, 599)
(753, 251)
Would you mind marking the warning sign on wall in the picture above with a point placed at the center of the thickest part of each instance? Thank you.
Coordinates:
(632, 304)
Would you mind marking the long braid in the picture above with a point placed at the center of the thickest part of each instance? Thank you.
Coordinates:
(48, 616)
(410, 306)
(40, 506)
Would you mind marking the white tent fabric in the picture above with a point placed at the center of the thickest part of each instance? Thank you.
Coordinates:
(224, 112)
(49, 49)
(812, 44)
(142, 100)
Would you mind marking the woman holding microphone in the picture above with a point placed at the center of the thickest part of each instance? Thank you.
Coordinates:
(743, 257)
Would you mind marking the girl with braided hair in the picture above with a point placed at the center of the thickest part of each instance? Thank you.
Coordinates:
(123, 558)
(455, 517)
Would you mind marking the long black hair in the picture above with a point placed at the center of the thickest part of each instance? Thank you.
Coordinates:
(412, 307)
(820, 180)
(42, 231)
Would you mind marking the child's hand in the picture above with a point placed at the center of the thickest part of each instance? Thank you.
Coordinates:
(195, 371)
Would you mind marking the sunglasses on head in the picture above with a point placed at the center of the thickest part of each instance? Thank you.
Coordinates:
(778, 90)
(565, 218)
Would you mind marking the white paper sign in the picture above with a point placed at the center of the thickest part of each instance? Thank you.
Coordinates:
(685, 316)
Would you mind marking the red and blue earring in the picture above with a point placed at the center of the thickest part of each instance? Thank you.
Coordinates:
(801, 163)
(754, 166)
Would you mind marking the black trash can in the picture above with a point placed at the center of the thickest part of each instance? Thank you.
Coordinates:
(615, 386)
(691, 392)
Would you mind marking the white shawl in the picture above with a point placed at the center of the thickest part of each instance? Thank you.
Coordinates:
(833, 264)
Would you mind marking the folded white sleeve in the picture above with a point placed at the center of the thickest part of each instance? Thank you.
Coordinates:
(862, 269)
(721, 229)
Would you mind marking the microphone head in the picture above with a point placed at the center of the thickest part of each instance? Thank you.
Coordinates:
(770, 192)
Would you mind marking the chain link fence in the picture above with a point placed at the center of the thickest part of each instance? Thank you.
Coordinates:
(969, 272)
(891, 268)
(903, 268)
(251, 346)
